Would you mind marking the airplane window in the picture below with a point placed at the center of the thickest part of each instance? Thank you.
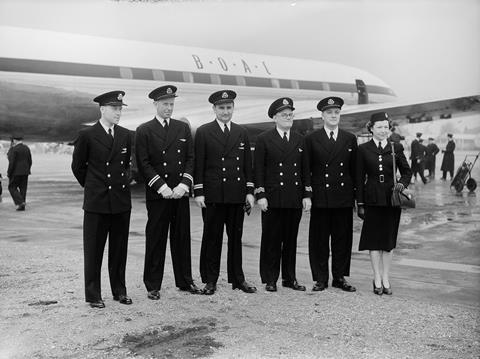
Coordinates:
(126, 73)
(174, 76)
(240, 80)
(228, 80)
(257, 82)
(275, 83)
(310, 85)
(285, 84)
(187, 77)
(294, 84)
(340, 87)
(326, 86)
(201, 78)
(142, 74)
(215, 79)
(158, 75)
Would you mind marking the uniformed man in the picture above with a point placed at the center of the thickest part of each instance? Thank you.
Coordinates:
(417, 157)
(164, 152)
(223, 186)
(332, 154)
(448, 162)
(430, 160)
(395, 136)
(19, 165)
(101, 159)
(282, 190)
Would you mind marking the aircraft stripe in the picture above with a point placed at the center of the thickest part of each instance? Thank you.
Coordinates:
(134, 73)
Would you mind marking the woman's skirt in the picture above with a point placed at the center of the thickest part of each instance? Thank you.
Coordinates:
(380, 228)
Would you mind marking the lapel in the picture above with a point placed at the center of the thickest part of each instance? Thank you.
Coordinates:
(217, 133)
(292, 143)
(158, 129)
(117, 137)
(235, 132)
(101, 136)
(277, 140)
(173, 129)
(339, 143)
(323, 140)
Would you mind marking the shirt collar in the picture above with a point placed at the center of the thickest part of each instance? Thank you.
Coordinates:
(106, 128)
(383, 142)
(222, 125)
(335, 132)
(280, 132)
(160, 120)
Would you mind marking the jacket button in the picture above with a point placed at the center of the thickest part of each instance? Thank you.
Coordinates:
(223, 159)
(341, 163)
(121, 162)
(238, 158)
(109, 187)
(108, 163)
(326, 165)
(238, 178)
(223, 169)
(281, 183)
(295, 174)
(326, 174)
(108, 175)
(123, 174)
(178, 151)
(327, 185)
(166, 175)
(163, 152)
(280, 164)
(179, 162)
(224, 180)
(341, 184)
(238, 168)
(281, 173)
(123, 186)
(295, 164)
(296, 183)
(341, 173)
(164, 163)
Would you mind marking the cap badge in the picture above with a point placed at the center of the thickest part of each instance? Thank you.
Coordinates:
(169, 90)
(285, 101)
(386, 115)
(330, 101)
(224, 95)
(120, 97)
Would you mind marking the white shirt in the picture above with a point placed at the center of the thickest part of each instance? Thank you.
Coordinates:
(383, 142)
(222, 125)
(106, 128)
(280, 132)
(161, 120)
(335, 132)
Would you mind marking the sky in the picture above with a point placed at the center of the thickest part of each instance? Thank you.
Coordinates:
(424, 49)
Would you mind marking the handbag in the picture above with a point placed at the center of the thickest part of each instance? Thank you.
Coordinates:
(401, 199)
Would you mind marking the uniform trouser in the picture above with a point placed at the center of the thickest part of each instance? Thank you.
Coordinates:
(162, 215)
(215, 216)
(279, 242)
(444, 175)
(96, 228)
(337, 224)
(431, 168)
(420, 169)
(17, 186)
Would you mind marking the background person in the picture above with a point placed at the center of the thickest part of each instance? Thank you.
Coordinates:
(448, 162)
(430, 159)
(374, 191)
(19, 165)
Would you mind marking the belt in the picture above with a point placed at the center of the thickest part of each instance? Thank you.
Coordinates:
(381, 178)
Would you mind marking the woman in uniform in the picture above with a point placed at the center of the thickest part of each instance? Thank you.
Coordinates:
(374, 191)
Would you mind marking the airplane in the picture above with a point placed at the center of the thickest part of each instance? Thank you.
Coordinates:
(48, 80)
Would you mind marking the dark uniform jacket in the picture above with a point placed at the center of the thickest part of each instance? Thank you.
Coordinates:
(164, 157)
(19, 160)
(101, 168)
(375, 173)
(448, 162)
(332, 172)
(223, 165)
(281, 170)
(432, 150)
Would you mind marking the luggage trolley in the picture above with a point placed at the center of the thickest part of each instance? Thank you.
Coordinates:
(464, 174)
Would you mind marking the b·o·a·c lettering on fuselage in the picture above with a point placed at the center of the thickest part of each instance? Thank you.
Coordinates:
(260, 68)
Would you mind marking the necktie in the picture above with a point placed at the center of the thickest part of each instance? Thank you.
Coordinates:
(332, 139)
(226, 131)
(285, 138)
(165, 124)
(380, 147)
(110, 136)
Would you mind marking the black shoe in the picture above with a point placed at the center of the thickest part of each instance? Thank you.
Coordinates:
(247, 288)
(343, 285)
(192, 288)
(123, 299)
(294, 285)
(97, 304)
(271, 287)
(153, 295)
(209, 288)
(319, 286)
(377, 291)
(387, 291)
(21, 207)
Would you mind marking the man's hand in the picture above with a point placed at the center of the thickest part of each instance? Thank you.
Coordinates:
(178, 192)
(307, 204)
(361, 211)
(200, 200)
(166, 192)
(263, 204)
(250, 200)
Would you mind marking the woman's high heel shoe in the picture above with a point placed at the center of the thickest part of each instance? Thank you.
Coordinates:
(377, 291)
(387, 291)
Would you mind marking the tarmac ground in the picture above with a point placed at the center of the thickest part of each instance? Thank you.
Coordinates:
(433, 313)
